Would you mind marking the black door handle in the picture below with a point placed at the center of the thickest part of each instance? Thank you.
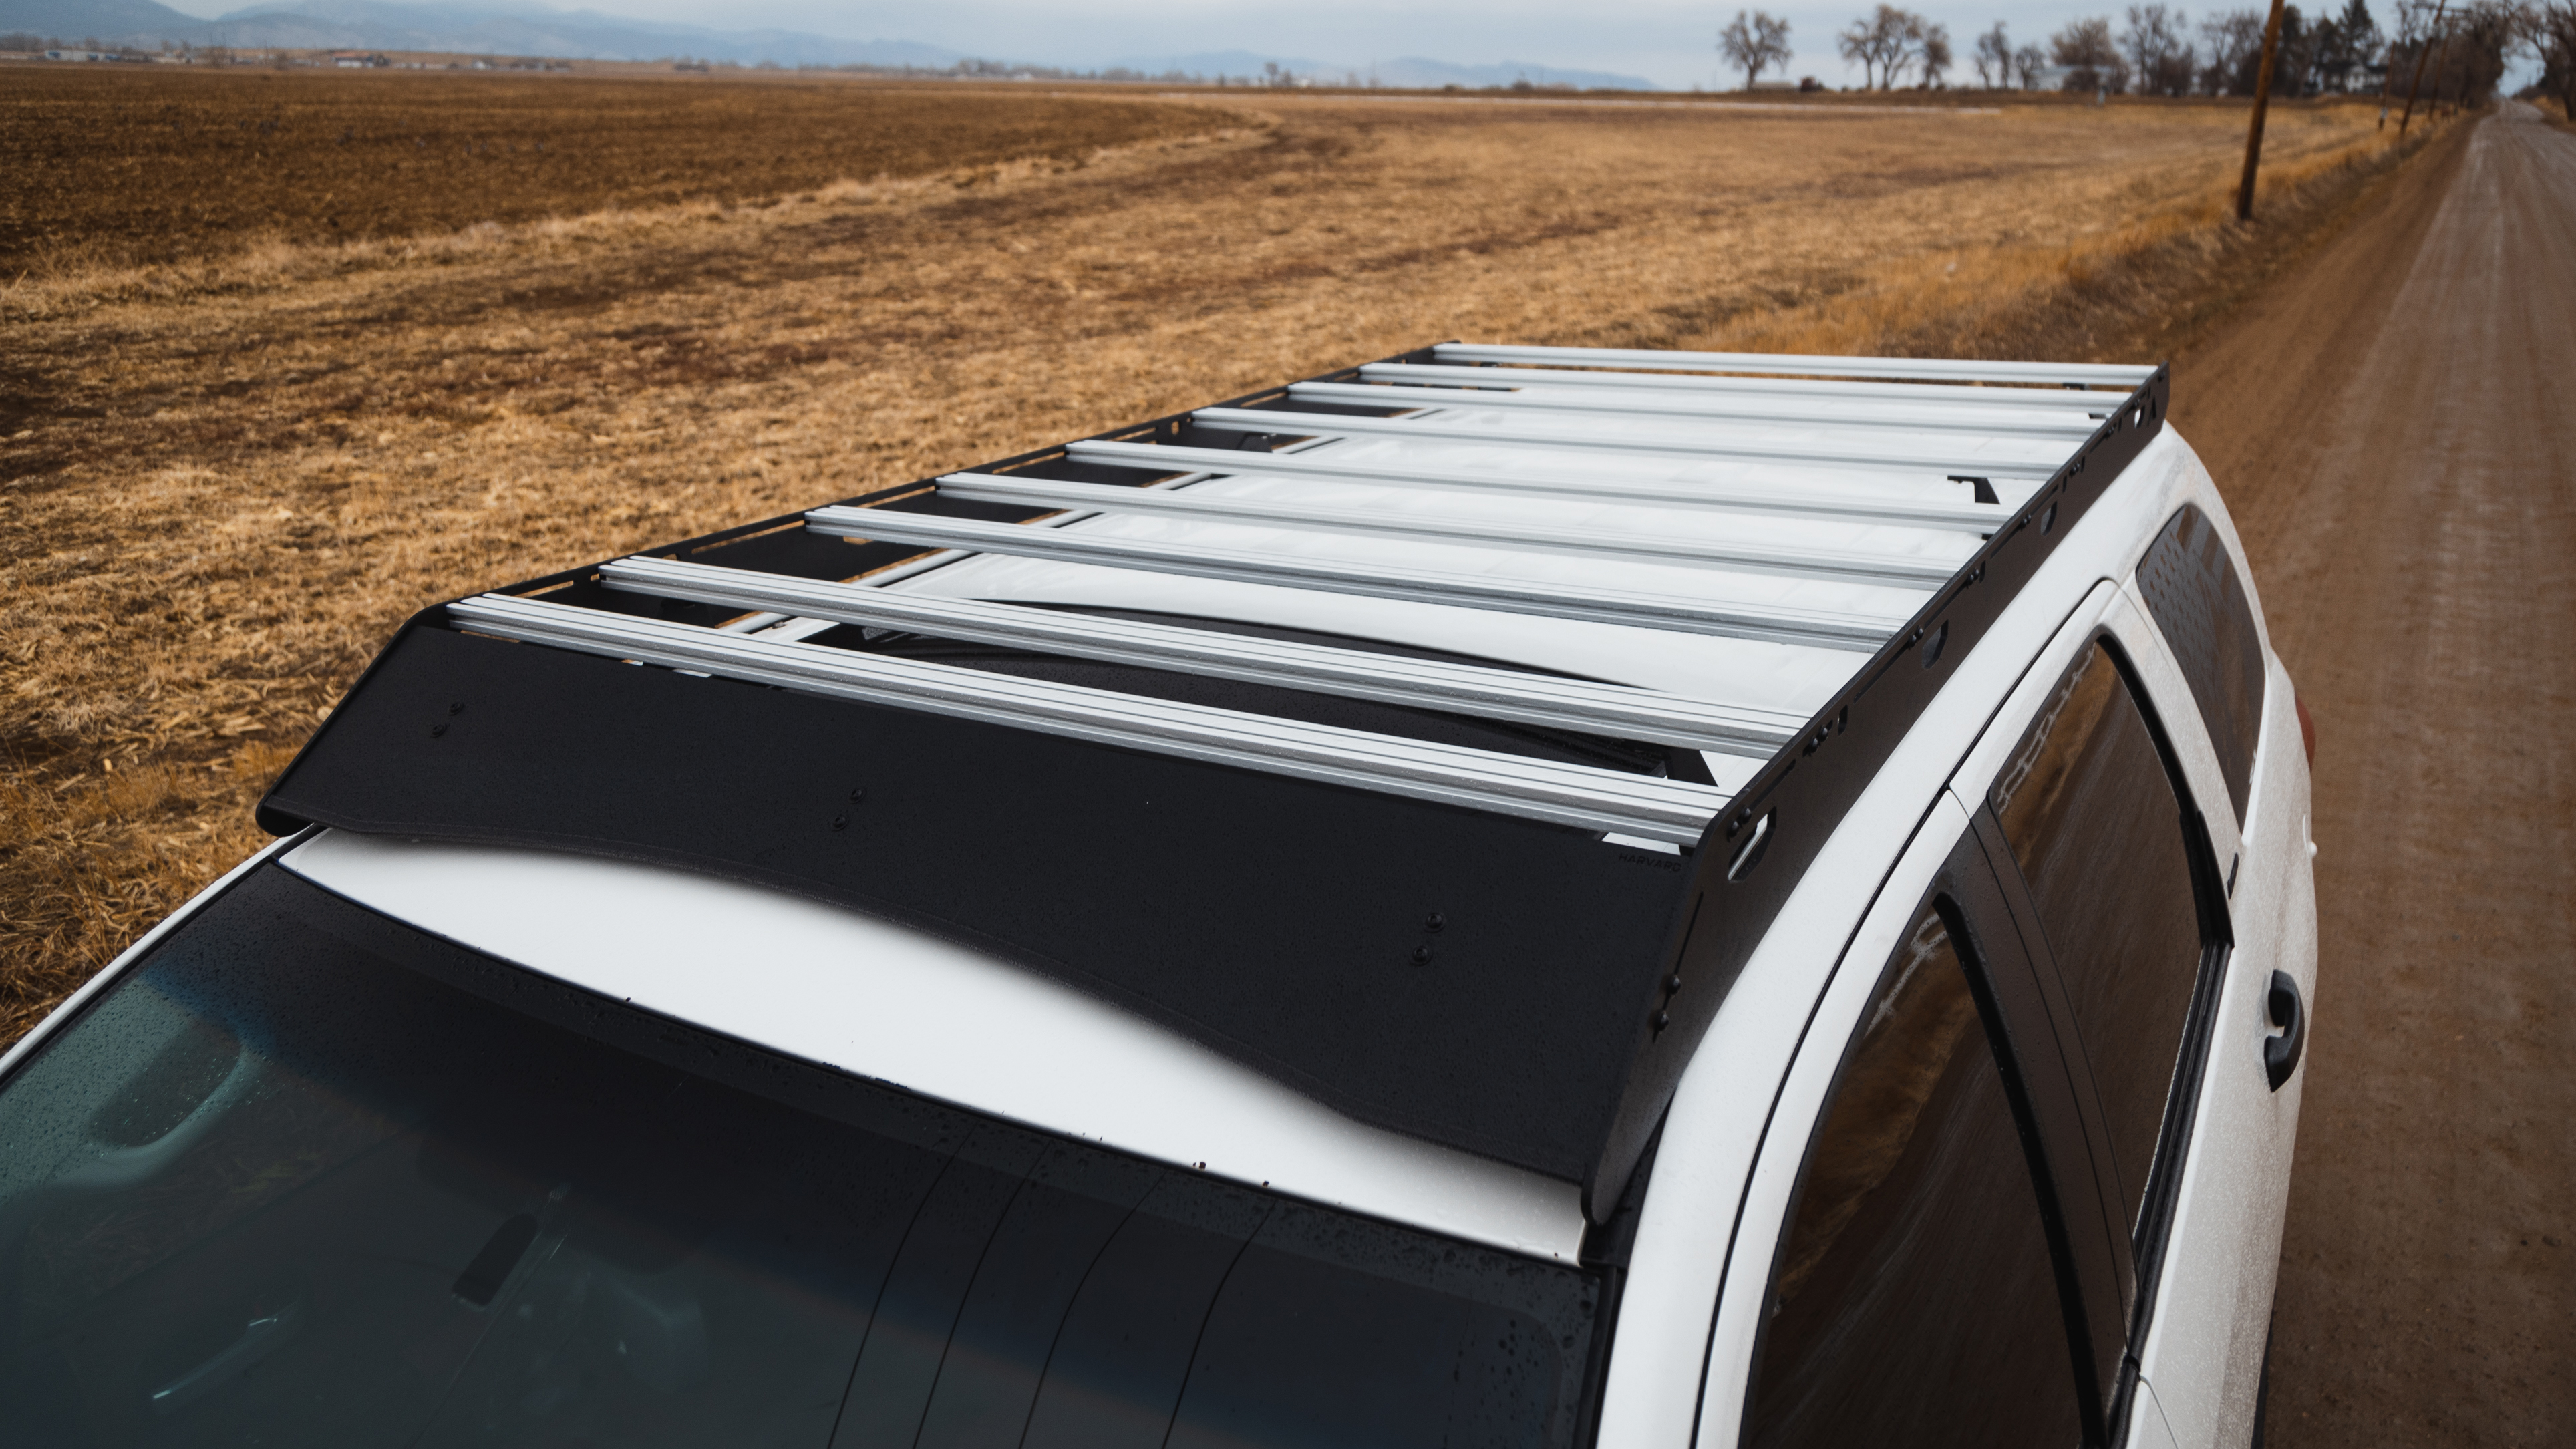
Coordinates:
(2281, 1053)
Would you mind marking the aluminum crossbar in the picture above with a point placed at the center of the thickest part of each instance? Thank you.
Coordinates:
(2087, 374)
(1344, 425)
(1176, 458)
(1582, 796)
(1469, 689)
(1896, 569)
(2067, 424)
(1772, 623)
(1928, 395)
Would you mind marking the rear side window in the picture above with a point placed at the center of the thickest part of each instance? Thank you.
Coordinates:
(2199, 603)
(2098, 833)
(1915, 1302)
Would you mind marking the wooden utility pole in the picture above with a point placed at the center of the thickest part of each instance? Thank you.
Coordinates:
(2422, 48)
(2262, 103)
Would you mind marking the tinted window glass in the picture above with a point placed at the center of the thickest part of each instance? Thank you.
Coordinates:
(1915, 1302)
(2097, 832)
(2199, 603)
(310, 1178)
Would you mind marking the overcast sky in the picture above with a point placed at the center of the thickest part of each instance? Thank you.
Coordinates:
(1671, 43)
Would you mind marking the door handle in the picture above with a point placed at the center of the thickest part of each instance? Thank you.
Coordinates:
(2281, 1053)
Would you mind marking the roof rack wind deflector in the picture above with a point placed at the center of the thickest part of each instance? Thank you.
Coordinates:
(1774, 624)
(1673, 811)
(1534, 699)
(1342, 425)
(1900, 570)
(1595, 488)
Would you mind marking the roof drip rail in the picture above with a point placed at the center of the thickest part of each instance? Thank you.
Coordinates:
(2068, 424)
(2042, 374)
(1899, 570)
(1589, 488)
(1767, 622)
(1644, 806)
(1487, 693)
(1286, 424)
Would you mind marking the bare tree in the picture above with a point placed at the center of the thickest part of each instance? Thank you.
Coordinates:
(1932, 52)
(2157, 51)
(2233, 42)
(1993, 58)
(1884, 43)
(2027, 63)
(2093, 62)
(2550, 31)
(1754, 43)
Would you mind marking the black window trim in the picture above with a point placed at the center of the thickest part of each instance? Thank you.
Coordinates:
(2147, 1246)
(1991, 957)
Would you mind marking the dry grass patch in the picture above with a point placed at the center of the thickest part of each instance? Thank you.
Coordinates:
(227, 484)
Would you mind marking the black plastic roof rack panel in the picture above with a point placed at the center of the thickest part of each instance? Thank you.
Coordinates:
(1403, 906)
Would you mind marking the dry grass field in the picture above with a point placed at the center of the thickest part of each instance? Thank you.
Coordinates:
(227, 478)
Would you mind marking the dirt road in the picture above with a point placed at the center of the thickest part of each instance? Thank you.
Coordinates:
(2394, 433)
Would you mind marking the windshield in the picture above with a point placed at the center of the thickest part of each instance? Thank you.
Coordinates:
(308, 1176)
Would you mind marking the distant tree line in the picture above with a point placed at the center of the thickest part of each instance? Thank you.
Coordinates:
(2461, 49)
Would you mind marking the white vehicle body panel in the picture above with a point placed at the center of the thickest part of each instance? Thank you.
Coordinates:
(849, 991)
(2204, 1347)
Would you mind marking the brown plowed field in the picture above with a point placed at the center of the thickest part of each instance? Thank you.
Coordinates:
(165, 163)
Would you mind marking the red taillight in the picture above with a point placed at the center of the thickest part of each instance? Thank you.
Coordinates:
(2307, 726)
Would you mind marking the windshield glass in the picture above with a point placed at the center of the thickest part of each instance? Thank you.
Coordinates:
(308, 1176)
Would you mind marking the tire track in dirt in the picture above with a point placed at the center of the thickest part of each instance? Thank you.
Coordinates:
(2390, 431)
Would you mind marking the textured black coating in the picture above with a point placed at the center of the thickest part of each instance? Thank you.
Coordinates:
(1272, 919)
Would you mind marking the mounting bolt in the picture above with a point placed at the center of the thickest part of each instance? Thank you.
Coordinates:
(840, 822)
(456, 709)
(857, 795)
(1421, 955)
(1672, 985)
(1663, 1019)
(438, 729)
(1434, 921)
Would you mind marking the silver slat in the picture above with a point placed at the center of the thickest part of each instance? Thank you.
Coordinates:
(1772, 623)
(1900, 394)
(2091, 374)
(1344, 425)
(1489, 693)
(1577, 795)
(1320, 463)
(2068, 425)
(1891, 569)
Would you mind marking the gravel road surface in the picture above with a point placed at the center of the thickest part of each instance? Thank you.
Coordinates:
(2396, 435)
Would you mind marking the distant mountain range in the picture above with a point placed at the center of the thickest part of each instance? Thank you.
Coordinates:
(479, 27)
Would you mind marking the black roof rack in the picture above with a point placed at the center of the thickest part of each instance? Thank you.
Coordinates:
(1375, 874)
